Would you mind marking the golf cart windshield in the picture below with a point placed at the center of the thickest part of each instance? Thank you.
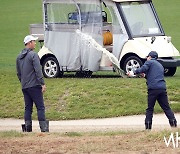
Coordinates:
(141, 19)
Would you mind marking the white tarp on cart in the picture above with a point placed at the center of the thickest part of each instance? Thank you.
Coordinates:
(62, 19)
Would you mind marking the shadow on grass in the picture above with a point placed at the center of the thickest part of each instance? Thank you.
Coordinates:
(73, 75)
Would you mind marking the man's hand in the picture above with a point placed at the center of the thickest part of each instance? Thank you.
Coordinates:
(43, 88)
(130, 74)
(142, 75)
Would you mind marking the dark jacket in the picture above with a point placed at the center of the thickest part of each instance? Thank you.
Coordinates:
(29, 69)
(154, 74)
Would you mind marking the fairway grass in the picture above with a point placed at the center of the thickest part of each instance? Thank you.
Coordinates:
(75, 98)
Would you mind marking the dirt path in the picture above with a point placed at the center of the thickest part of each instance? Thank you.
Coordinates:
(133, 142)
(135, 122)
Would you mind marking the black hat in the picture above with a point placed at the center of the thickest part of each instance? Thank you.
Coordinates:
(153, 54)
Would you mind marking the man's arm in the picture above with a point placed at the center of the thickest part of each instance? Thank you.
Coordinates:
(143, 69)
(37, 68)
(18, 70)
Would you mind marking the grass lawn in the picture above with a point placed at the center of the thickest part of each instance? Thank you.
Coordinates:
(69, 97)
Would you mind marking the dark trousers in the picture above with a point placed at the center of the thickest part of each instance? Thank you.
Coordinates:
(34, 94)
(161, 96)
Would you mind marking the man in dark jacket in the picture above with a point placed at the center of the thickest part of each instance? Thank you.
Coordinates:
(154, 73)
(30, 75)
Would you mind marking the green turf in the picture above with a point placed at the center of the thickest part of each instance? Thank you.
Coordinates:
(69, 97)
(169, 14)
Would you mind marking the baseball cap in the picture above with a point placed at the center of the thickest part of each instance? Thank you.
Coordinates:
(153, 54)
(29, 38)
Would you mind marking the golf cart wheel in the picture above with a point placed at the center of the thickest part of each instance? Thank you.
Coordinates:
(50, 68)
(132, 63)
(169, 71)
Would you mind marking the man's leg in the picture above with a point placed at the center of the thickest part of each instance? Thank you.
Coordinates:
(150, 108)
(163, 102)
(28, 110)
(37, 97)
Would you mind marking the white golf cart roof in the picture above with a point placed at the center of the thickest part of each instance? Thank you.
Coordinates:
(128, 0)
(46, 1)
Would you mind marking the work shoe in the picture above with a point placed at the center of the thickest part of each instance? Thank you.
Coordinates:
(173, 123)
(44, 126)
(148, 125)
(27, 127)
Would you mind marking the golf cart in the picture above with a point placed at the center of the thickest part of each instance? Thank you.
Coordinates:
(128, 29)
